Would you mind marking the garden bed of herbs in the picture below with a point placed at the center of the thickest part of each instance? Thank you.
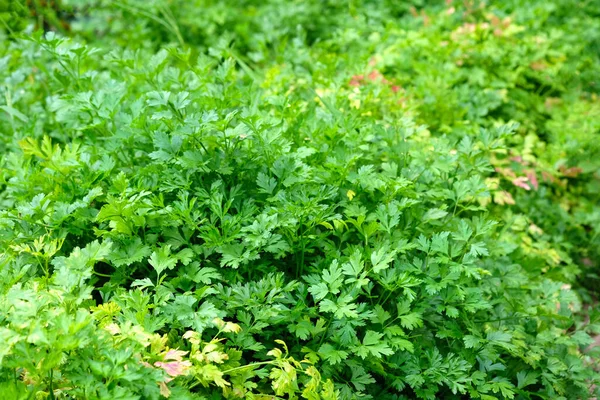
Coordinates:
(299, 199)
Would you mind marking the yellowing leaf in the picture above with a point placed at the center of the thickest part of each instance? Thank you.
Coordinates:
(350, 193)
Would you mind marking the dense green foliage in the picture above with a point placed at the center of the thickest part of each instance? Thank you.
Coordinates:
(307, 199)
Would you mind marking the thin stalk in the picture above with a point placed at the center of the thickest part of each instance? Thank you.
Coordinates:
(51, 386)
(247, 366)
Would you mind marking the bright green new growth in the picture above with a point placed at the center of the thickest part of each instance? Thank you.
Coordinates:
(361, 200)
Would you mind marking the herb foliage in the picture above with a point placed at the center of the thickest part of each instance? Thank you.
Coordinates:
(319, 200)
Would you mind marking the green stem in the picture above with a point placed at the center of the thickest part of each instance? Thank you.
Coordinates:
(324, 333)
(246, 366)
(51, 386)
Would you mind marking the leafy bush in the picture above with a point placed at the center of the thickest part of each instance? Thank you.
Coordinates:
(364, 200)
